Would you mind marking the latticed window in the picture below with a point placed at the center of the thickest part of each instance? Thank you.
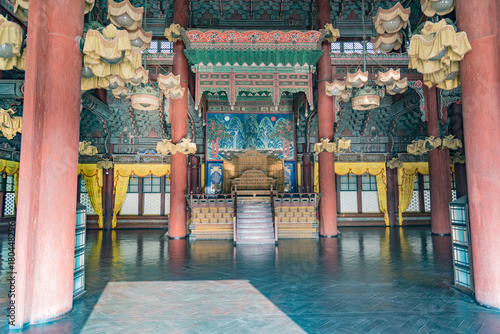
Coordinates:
(83, 185)
(167, 183)
(351, 47)
(10, 184)
(368, 182)
(153, 47)
(348, 182)
(161, 47)
(133, 184)
(151, 184)
(427, 183)
(416, 185)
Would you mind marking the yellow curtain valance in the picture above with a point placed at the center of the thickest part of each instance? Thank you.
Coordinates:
(141, 170)
(90, 170)
(9, 167)
(360, 168)
(411, 168)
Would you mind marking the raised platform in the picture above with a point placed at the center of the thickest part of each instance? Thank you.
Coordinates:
(212, 215)
(133, 222)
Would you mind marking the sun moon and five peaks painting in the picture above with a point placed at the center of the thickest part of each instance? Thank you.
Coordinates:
(228, 133)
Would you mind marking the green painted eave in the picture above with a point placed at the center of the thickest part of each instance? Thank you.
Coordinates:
(231, 56)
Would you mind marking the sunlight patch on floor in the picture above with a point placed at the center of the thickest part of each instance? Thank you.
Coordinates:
(229, 306)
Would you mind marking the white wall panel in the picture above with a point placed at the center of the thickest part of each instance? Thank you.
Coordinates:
(369, 201)
(84, 199)
(348, 202)
(130, 205)
(427, 200)
(415, 203)
(167, 204)
(152, 204)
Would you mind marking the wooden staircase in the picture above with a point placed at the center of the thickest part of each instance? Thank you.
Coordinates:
(254, 221)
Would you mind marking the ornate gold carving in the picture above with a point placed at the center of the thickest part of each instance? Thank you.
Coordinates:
(423, 146)
(334, 147)
(186, 147)
(458, 158)
(167, 147)
(84, 148)
(394, 163)
(173, 33)
(105, 164)
(451, 142)
(9, 125)
(331, 33)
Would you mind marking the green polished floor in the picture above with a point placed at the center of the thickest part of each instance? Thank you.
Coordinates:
(366, 281)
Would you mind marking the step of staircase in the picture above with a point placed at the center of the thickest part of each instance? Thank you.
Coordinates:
(256, 242)
(254, 222)
(253, 200)
(251, 230)
(254, 215)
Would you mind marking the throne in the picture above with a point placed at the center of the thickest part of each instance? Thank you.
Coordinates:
(253, 172)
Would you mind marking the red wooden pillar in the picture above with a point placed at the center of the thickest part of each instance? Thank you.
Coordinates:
(439, 170)
(178, 117)
(392, 185)
(456, 123)
(481, 103)
(107, 192)
(307, 168)
(194, 174)
(100, 93)
(327, 205)
(46, 215)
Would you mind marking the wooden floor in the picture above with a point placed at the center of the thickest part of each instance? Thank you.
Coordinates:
(369, 280)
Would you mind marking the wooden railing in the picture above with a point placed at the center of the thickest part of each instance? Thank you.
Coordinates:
(235, 198)
(312, 198)
(203, 200)
(275, 225)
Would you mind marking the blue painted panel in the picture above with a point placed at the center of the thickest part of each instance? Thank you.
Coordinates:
(290, 178)
(214, 178)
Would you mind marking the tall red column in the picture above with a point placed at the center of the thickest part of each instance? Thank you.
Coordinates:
(306, 173)
(46, 215)
(481, 103)
(456, 125)
(108, 186)
(327, 204)
(392, 184)
(178, 181)
(439, 170)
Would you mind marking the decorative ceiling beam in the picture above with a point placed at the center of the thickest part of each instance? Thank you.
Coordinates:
(96, 106)
(405, 105)
(11, 89)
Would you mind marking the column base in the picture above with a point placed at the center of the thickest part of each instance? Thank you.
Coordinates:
(441, 234)
(328, 236)
(175, 238)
